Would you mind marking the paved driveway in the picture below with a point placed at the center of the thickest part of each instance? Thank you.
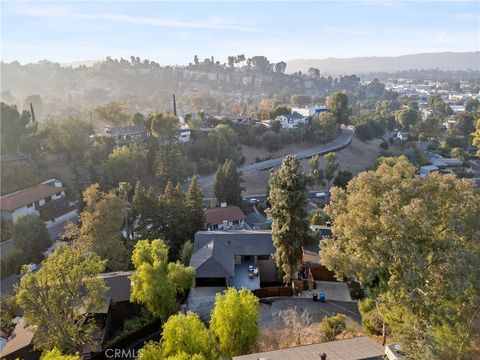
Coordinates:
(202, 299)
(270, 314)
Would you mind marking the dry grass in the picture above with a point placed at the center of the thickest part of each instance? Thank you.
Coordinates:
(297, 329)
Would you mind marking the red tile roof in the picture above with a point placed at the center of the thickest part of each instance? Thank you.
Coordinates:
(218, 215)
(27, 196)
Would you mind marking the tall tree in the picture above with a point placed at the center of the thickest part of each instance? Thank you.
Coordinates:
(170, 165)
(52, 297)
(234, 321)
(317, 175)
(155, 283)
(13, 127)
(414, 244)
(70, 136)
(102, 221)
(126, 164)
(288, 199)
(228, 183)
(164, 126)
(338, 104)
(407, 118)
(331, 167)
(147, 213)
(465, 125)
(31, 236)
(196, 214)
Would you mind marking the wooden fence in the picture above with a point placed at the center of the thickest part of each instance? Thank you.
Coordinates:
(273, 291)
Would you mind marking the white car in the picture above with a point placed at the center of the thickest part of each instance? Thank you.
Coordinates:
(254, 201)
(321, 195)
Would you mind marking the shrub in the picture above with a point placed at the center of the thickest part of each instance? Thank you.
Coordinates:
(371, 319)
(332, 326)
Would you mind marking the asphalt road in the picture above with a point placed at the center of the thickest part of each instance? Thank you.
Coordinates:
(339, 143)
(56, 228)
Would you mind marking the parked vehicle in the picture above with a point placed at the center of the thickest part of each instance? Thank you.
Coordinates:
(251, 272)
(254, 201)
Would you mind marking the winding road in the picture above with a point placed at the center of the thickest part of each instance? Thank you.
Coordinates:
(342, 141)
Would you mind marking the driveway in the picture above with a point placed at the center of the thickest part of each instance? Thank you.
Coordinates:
(336, 291)
(202, 299)
(270, 314)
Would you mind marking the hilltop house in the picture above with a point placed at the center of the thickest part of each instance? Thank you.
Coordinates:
(35, 199)
(310, 111)
(128, 134)
(222, 258)
(224, 218)
(291, 121)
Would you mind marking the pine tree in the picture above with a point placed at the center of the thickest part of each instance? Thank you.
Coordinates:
(147, 213)
(196, 213)
(288, 199)
(228, 183)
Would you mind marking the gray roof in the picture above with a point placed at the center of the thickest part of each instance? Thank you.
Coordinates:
(214, 251)
(239, 242)
(359, 348)
(213, 260)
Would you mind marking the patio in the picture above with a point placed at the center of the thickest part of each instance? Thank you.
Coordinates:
(241, 279)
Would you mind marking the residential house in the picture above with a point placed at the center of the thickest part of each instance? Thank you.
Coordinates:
(357, 348)
(185, 133)
(128, 134)
(310, 110)
(109, 318)
(222, 258)
(224, 218)
(36, 199)
(291, 121)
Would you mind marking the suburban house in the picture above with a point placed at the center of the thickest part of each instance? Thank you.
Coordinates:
(128, 134)
(292, 121)
(109, 318)
(224, 218)
(37, 199)
(223, 258)
(310, 111)
(357, 348)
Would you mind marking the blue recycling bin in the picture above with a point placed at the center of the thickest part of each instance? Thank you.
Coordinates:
(321, 297)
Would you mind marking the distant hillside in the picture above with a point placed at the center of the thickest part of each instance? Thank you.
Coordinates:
(75, 64)
(442, 61)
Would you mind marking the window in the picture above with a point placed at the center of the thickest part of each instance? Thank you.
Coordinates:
(58, 194)
(30, 205)
(48, 199)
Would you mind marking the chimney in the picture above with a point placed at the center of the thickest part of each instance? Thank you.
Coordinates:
(223, 204)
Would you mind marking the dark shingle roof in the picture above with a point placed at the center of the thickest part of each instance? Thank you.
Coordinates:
(239, 242)
(119, 284)
(213, 260)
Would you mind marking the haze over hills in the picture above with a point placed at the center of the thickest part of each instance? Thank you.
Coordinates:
(358, 65)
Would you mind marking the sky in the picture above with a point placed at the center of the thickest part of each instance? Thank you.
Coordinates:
(173, 32)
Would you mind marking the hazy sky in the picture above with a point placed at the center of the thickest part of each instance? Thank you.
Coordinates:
(172, 32)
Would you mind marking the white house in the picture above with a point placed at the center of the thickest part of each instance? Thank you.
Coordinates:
(32, 200)
(310, 111)
(184, 135)
(291, 121)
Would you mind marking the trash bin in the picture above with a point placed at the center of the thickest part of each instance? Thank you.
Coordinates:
(322, 297)
(315, 296)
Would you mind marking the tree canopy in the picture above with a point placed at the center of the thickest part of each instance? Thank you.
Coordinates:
(414, 244)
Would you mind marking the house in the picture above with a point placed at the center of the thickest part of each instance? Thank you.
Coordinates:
(310, 111)
(185, 133)
(35, 199)
(358, 348)
(128, 134)
(222, 258)
(224, 218)
(109, 318)
(291, 121)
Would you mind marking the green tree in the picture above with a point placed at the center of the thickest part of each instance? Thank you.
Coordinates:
(196, 213)
(102, 220)
(223, 142)
(186, 252)
(407, 118)
(325, 127)
(164, 126)
(465, 125)
(429, 128)
(114, 114)
(317, 218)
(342, 178)
(186, 333)
(59, 298)
(337, 103)
(170, 165)
(155, 283)
(31, 236)
(13, 127)
(234, 321)
(317, 175)
(126, 164)
(437, 104)
(414, 244)
(331, 167)
(56, 354)
(70, 136)
(288, 199)
(476, 136)
(228, 183)
(332, 326)
(147, 213)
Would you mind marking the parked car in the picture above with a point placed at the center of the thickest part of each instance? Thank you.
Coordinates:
(254, 201)
(250, 271)
(321, 195)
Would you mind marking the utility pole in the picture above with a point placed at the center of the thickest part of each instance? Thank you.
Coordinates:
(174, 106)
(32, 112)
